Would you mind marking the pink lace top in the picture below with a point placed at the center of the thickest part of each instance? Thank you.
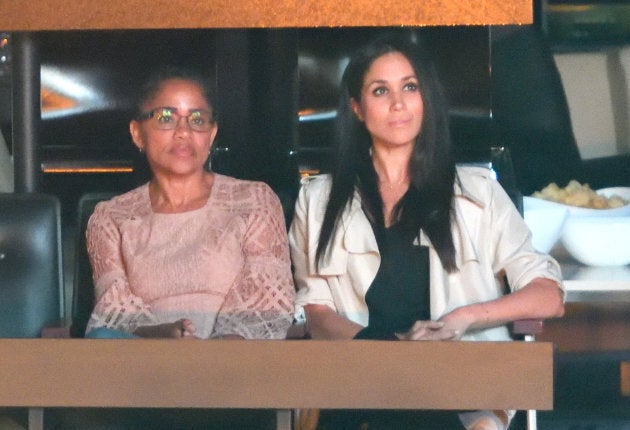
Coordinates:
(224, 266)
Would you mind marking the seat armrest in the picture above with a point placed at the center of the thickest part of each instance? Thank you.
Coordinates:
(297, 331)
(56, 331)
(526, 327)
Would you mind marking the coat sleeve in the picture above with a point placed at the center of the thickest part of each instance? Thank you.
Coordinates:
(303, 238)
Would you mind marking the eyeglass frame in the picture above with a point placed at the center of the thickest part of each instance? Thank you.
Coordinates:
(143, 116)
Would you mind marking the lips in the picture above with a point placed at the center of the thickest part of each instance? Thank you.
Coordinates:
(400, 122)
(182, 151)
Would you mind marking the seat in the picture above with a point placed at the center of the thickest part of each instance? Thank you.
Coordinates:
(83, 286)
(6, 167)
(31, 277)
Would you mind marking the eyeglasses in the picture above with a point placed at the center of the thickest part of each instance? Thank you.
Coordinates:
(166, 118)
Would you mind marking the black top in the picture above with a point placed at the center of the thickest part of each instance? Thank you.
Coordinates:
(399, 295)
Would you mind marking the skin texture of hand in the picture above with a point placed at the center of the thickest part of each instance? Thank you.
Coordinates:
(180, 329)
(458, 321)
(429, 330)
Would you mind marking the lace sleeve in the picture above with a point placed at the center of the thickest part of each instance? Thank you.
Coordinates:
(260, 303)
(116, 306)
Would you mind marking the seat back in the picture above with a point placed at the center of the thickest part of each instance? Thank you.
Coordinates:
(499, 161)
(31, 277)
(6, 167)
(83, 287)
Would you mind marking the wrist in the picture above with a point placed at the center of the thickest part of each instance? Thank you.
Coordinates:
(479, 315)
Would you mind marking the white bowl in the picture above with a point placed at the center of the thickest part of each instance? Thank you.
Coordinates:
(546, 220)
(598, 241)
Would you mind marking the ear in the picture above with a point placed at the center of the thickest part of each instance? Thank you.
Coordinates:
(213, 134)
(136, 134)
(356, 108)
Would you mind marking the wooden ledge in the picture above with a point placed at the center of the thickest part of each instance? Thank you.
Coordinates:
(276, 374)
(35, 15)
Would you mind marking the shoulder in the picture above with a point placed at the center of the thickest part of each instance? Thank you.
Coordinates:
(475, 183)
(244, 194)
(474, 174)
(127, 205)
(316, 185)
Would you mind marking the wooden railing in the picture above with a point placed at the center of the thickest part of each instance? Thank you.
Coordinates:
(282, 375)
(36, 15)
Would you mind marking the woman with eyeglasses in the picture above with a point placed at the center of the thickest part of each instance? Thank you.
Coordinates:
(191, 253)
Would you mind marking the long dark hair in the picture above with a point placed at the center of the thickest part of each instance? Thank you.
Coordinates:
(428, 203)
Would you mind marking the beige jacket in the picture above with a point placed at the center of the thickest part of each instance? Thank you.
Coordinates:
(489, 234)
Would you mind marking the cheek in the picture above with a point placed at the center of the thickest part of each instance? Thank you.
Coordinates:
(373, 111)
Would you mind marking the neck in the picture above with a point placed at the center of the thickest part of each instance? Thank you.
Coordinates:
(172, 195)
(392, 167)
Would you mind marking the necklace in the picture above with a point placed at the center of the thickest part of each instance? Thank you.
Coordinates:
(393, 185)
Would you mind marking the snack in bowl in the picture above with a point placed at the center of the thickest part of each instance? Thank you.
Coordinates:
(581, 199)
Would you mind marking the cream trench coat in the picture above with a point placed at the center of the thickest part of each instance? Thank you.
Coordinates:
(490, 238)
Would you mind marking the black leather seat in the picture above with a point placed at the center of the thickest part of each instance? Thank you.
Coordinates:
(83, 286)
(31, 277)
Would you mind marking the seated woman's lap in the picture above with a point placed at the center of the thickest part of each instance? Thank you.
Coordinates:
(109, 333)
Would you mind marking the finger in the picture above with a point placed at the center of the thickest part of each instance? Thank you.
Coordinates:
(183, 327)
(420, 334)
(434, 325)
(189, 326)
(434, 334)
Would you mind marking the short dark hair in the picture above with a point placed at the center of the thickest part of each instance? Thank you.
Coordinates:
(154, 81)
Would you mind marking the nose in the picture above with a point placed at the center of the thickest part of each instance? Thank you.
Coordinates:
(182, 124)
(398, 101)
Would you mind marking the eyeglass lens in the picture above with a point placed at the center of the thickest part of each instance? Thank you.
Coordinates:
(168, 119)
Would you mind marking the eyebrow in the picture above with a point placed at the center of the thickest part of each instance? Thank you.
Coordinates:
(174, 109)
(383, 81)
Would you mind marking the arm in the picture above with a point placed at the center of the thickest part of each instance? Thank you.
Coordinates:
(325, 323)
(260, 303)
(540, 299)
(116, 306)
(503, 245)
(314, 300)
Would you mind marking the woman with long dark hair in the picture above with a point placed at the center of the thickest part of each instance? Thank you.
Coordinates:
(397, 243)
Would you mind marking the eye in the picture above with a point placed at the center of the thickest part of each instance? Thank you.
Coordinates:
(379, 91)
(410, 86)
(164, 116)
(198, 118)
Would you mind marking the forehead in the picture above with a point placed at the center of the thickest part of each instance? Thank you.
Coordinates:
(176, 91)
(389, 66)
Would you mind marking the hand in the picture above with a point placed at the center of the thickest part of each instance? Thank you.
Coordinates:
(180, 329)
(186, 328)
(429, 330)
(457, 321)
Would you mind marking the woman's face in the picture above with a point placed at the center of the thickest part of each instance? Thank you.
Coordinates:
(181, 148)
(391, 104)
